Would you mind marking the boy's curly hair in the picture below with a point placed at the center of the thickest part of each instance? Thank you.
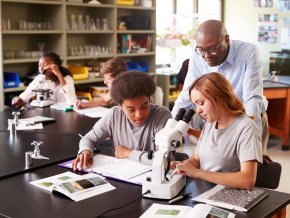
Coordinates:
(114, 66)
(130, 85)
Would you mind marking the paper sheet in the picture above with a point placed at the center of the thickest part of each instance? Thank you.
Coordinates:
(93, 112)
(24, 125)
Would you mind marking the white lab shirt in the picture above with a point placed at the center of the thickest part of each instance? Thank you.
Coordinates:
(66, 93)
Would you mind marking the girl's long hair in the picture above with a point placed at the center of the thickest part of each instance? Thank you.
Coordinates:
(219, 91)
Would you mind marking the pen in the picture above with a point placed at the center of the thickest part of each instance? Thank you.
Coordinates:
(173, 173)
(179, 198)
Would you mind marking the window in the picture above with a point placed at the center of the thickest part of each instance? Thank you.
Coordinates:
(176, 22)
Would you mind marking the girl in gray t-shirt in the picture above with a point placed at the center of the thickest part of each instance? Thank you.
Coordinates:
(229, 148)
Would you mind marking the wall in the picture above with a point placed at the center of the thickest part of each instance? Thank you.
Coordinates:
(241, 20)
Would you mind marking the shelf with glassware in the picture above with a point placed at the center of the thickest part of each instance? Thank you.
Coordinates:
(90, 41)
(93, 37)
(88, 18)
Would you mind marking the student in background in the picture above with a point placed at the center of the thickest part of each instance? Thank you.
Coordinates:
(229, 148)
(131, 125)
(58, 78)
(110, 70)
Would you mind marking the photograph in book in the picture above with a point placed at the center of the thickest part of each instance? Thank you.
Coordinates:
(48, 183)
(74, 186)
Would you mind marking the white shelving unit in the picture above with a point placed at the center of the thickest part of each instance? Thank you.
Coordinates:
(32, 22)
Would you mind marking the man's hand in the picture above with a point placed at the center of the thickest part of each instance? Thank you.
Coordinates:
(122, 152)
(266, 159)
(83, 160)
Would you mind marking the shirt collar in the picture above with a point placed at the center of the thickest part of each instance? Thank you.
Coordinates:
(230, 57)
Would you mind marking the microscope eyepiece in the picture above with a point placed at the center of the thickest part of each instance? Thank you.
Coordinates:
(188, 115)
(180, 114)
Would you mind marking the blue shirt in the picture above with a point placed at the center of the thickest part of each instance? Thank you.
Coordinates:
(243, 69)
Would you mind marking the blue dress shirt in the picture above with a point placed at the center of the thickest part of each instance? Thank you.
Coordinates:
(242, 67)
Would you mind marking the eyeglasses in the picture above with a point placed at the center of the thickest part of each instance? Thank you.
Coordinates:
(212, 50)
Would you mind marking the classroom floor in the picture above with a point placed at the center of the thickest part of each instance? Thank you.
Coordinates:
(274, 151)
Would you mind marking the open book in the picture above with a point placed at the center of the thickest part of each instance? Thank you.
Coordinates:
(93, 112)
(178, 211)
(233, 199)
(120, 169)
(74, 186)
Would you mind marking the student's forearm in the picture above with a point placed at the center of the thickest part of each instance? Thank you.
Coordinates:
(239, 180)
(99, 101)
(194, 161)
(62, 82)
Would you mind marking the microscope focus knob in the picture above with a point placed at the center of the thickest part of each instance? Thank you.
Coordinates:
(175, 143)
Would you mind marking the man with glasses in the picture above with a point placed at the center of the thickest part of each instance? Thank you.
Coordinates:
(238, 61)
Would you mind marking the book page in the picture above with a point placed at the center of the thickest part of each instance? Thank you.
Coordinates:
(121, 169)
(178, 211)
(93, 112)
(166, 211)
(208, 211)
(48, 183)
(87, 186)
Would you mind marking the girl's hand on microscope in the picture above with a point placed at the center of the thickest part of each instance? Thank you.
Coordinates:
(173, 164)
(188, 169)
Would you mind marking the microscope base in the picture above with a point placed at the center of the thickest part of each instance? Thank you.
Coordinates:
(43, 103)
(166, 190)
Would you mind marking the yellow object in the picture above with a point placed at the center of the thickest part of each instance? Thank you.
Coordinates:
(125, 2)
(84, 94)
(79, 72)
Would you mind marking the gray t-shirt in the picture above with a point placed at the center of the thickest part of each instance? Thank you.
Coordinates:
(116, 125)
(223, 150)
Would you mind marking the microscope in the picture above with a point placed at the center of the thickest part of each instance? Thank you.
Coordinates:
(167, 139)
(43, 93)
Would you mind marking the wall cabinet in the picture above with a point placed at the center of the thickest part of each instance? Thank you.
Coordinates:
(76, 30)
